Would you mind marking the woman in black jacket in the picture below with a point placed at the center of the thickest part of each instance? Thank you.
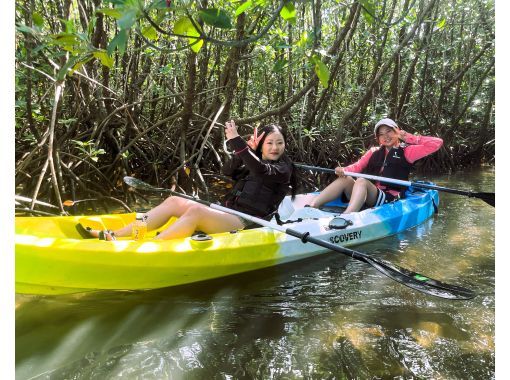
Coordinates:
(263, 175)
(262, 171)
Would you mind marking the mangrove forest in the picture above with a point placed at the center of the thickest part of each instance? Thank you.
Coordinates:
(107, 89)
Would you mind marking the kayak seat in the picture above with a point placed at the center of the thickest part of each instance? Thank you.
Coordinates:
(333, 209)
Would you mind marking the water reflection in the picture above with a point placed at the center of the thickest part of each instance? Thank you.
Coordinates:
(327, 317)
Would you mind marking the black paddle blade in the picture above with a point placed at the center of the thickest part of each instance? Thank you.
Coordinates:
(489, 198)
(420, 282)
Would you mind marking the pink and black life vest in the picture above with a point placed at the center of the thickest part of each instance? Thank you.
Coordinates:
(393, 164)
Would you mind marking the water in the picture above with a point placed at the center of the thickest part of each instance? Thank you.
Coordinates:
(327, 317)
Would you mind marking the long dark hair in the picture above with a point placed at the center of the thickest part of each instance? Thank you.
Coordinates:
(272, 128)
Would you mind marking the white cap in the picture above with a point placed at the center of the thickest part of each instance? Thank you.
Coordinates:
(388, 122)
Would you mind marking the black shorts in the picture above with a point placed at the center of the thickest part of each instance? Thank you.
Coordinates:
(382, 198)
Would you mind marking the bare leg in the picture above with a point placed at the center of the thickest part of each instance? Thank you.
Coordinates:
(363, 192)
(334, 190)
(199, 217)
(159, 215)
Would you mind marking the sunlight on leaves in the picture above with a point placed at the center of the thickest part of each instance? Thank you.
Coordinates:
(185, 27)
(243, 7)
(105, 59)
(321, 70)
(288, 12)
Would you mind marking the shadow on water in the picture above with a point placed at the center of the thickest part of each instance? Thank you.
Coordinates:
(325, 317)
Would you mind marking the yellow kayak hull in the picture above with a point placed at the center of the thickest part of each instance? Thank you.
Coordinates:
(57, 260)
(52, 257)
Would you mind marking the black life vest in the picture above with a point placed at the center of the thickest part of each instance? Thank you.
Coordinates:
(257, 196)
(394, 165)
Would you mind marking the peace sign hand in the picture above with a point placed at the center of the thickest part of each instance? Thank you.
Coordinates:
(254, 140)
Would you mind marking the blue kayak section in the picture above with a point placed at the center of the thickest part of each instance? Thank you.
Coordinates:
(394, 217)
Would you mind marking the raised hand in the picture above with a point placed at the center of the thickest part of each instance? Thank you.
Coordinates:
(230, 130)
(254, 140)
(401, 134)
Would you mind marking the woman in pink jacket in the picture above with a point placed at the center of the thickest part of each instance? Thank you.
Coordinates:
(391, 159)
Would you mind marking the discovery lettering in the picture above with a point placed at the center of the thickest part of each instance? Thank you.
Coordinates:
(345, 237)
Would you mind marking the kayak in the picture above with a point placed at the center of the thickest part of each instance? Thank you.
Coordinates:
(53, 258)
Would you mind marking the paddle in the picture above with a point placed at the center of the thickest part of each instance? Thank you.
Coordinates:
(488, 198)
(404, 276)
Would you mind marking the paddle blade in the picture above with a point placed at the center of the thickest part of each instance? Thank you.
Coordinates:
(420, 282)
(489, 198)
(140, 185)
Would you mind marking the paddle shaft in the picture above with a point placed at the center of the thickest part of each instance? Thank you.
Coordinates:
(303, 236)
(401, 275)
(487, 197)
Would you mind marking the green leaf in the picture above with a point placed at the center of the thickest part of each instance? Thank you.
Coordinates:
(279, 65)
(69, 25)
(63, 39)
(303, 40)
(321, 70)
(182, 25)
(282, 45)
(368, 10)
(128, 19)
(26, 29)
(103, 56)
(80, 61)
(119, 41)
(185, 27)
(441, 24)
(216, 17)
(37, 19)
(288, 12)
(150, 33)
(78, 143)
(115, 13)
(161, 4)
(196, 44)
(244, 7)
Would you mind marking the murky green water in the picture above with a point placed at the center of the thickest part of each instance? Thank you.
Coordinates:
(328, 317)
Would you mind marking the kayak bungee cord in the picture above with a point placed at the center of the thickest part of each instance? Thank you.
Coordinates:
(404, 276)
(488, 198)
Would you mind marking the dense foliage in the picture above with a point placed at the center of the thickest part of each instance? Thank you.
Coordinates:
(141, 87)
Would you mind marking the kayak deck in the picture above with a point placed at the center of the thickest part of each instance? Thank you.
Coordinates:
(52, 258)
